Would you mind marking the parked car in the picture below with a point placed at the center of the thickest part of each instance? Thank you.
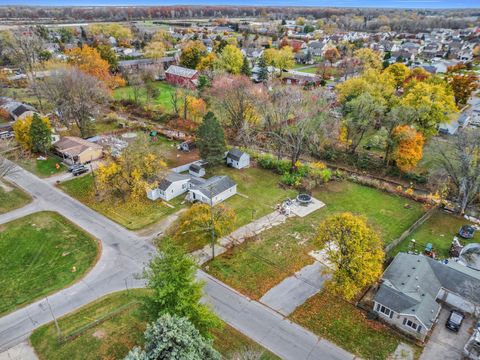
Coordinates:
(79, 170)
(74, 166)
(466, 231)
(454, 320)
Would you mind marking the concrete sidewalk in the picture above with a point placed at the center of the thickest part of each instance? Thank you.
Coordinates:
(295, 290)
(22, 351)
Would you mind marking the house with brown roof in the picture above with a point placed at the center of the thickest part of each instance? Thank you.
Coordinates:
(74, 150)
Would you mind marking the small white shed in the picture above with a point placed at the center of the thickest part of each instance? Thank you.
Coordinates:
(238, 159)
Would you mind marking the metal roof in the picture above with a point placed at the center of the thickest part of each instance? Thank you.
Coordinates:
(181, 71)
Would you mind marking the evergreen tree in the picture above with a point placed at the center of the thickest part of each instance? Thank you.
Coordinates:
(174, 289)
(245, 70)
(174, 338)
(211, 140)
(263, 70)
(40, 134)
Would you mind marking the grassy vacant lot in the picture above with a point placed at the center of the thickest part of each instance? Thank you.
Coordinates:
(132, 217)
(259, 264)
(259, 192)
(43, 168)
(439, 230)
(161, 101)
(41, 253)
(113, 337)
(169, 152)
(12, 198)
(345, 325)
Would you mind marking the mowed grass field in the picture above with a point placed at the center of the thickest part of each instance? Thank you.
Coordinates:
(162, 101)
(262, 262)
(116, 334)
(133, 217)
(43, 168)
(41, 253)
(12, 198)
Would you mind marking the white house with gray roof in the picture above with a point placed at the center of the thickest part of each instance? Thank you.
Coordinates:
(170, 187)
(414, 287)
(238, 159)
(213, 191)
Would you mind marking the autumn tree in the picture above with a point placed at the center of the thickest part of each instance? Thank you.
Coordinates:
(230, 60)
(207, 62)
(281, 59)
(332, 55)
(174, 290)
(194, 227)
(460, 162)
(77, 97)
(107, 54)
(369, 58)
(233, 99)
(89, 60)
(400, 73)
(175, 338)
(121, 33)
(35, 140)
(155, 50)
(463, 86)
(211, 140)
(192, 53)
(409, 147)
(129, 175)
(355, 252)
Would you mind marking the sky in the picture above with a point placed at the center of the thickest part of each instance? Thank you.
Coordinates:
(417, 4)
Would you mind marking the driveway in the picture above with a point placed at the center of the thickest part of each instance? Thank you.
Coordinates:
(445, 344)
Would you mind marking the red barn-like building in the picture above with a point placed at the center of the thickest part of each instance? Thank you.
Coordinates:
(181, 76)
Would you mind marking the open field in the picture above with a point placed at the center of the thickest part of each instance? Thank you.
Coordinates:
(345, 325)
(41, 253)
(162, 101)
(132, 217)
(438, 230)
(260, 263)
(113, 337)
(169, 152)
(11, 197)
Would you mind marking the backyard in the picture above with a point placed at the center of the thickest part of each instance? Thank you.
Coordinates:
(11, 197)
(41, 253)
(120, 328)
(162, 101)
(133, 217)
(262, 262)
(170, 154)
(345, 325)
(439, 230)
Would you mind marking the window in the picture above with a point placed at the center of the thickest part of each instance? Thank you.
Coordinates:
(410, 323)
(384, 310)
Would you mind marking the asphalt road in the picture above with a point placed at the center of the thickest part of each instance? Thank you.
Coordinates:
(124, 255)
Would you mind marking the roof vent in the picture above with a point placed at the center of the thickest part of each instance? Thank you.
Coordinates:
(423, 294)
(403, 283)
(408, 275)
(413, 268)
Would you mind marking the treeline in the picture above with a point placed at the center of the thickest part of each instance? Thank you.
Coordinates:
(345, 19)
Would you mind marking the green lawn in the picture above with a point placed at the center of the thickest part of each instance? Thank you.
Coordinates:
(439, 230)
(132, 217)
(163, 100)
(345, 325)
(113, 337)
(41, 253)
(259, 264)
(259, 191)
(12, 198)
(43, 168)
(169, 152)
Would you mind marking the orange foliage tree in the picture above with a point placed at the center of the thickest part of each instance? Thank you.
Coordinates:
(409, 147)
(88, 60)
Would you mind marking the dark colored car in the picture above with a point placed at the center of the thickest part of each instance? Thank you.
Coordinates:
(466, 231)
(454, 320)
(74, 167)
(79, 170)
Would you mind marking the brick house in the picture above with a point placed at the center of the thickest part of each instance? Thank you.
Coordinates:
(177, 75)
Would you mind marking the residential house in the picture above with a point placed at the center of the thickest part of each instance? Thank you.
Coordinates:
(171, 186)
(16, 109)
(196, 170)
(300, 78)
(414, 288)
(74, 150)
(181, 76)
(156, 65)
(238, 159)
(213, 191)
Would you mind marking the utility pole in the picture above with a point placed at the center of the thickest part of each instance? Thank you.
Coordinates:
(212, 223)
(93, 175)
(59, 332)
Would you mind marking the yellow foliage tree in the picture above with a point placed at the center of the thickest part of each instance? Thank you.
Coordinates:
(193, 228)
(207, 62)
(119, 32)
(369, 58)
(155, 50)
(231, 59)
(400, 73)
(21, 128)
(88, 60)
(355, 252)
(409, 147)
(282, 59)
